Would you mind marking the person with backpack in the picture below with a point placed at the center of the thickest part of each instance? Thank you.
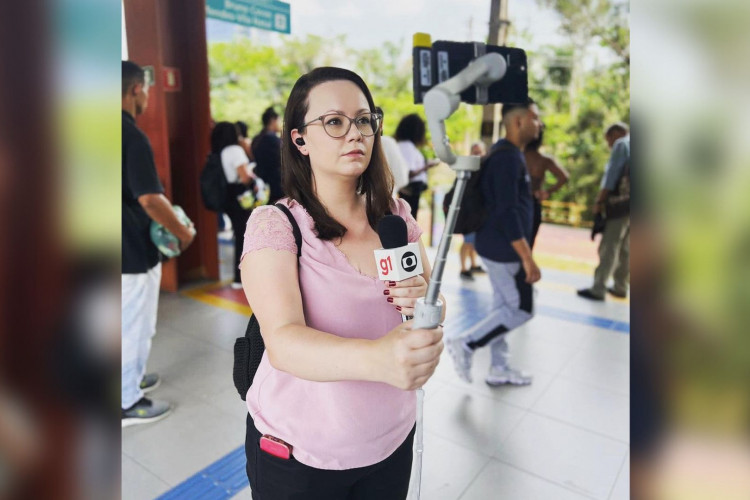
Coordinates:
(332, 406)
(468, 253)
(225, 143)
(411, 136)
(613, 201)
(503, 243)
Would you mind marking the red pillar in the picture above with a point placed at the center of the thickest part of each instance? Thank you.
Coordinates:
(172, 34)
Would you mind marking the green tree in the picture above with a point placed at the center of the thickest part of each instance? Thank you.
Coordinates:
(579, 104)
(577, 101)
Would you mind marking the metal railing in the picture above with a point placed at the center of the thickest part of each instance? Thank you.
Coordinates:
(563, 212)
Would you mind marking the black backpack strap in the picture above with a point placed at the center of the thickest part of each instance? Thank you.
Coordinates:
(295, 228)
(248, 350)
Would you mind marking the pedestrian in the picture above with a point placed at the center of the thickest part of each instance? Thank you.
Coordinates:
(266, 148)
(468, 253)
(411, 136)
(143, 201)
(613, 201)
(225, 142)
(539, 164)
(503, 243)
(245, 140)
(395, 159)
(333, 396)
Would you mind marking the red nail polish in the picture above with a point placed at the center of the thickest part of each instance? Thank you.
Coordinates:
(390, 299)
(391, 283)
(398, 308)
(386, 292)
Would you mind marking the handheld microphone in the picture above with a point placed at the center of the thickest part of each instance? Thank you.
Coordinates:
(398, 259)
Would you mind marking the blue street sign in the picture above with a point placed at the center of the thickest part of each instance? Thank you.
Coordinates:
(269, 15)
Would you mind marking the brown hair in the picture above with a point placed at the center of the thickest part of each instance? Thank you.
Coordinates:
(376, 182)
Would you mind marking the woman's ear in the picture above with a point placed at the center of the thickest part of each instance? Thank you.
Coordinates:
(299, 142)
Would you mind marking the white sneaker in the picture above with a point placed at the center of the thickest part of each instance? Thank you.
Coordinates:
(506, 375)
(236, 285)
(462, 356)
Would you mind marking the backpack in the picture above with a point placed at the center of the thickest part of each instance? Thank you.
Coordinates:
(472, 212)
(618, 201)
(213, 184)
(248, 350)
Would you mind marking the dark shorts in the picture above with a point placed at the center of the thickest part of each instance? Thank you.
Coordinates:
(273, 478)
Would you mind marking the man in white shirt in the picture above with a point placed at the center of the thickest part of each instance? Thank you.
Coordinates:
(395, 160)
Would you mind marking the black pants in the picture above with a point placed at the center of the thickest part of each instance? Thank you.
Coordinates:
(239, 217)
(273, 478)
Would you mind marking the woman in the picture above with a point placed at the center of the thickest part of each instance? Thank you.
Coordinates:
(410, 135)
(337, 380)
(225, 141)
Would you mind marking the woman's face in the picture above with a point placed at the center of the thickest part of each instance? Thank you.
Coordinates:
(347, 156)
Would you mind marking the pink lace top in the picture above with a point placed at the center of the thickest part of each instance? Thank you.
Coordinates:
(331, 425)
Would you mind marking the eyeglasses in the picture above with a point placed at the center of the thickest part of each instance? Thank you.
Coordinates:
(337, 125)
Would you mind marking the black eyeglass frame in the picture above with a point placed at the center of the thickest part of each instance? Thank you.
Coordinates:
(351, 121)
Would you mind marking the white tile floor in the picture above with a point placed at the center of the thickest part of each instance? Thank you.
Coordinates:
(564, 437)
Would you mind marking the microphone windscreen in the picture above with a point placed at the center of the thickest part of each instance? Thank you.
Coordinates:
(392, 232)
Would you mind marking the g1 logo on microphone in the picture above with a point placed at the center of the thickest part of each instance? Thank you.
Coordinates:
(409, 262)
(386, 266)
(397, 264)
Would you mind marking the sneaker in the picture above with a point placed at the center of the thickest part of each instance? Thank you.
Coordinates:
(478, 269)
(461, 355)
(466, 275)
(586, 293)
(501, 376)
(145, 411)
(237, 285)
(614, 292)
(150, 382)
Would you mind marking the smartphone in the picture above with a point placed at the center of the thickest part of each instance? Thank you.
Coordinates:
(275, 446)
(449, 58)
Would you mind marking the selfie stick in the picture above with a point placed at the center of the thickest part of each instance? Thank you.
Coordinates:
(440, 102)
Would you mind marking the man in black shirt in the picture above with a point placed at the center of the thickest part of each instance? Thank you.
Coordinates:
(266, 148)
(503, 243)
(142, 201)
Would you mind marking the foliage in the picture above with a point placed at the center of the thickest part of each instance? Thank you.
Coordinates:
(577, 102)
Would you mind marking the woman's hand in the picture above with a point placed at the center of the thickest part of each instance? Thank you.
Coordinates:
(404, 294)
(407, 358)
